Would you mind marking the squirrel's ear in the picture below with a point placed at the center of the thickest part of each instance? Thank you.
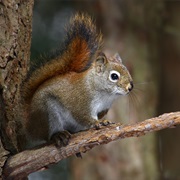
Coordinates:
(117, 58)
(100, 62)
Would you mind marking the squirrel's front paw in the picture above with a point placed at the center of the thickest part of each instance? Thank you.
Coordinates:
(100, 123)
(61, 138)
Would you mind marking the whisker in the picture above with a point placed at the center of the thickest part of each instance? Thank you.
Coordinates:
(143, 83)
(138, 105)
(135, 100)
(128, 107)
(132, 104)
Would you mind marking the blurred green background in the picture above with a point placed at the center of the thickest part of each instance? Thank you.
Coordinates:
(146, 33)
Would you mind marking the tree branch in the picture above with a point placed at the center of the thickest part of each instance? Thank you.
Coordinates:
(26, 162)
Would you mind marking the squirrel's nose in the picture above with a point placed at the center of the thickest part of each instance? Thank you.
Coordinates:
(130, 86)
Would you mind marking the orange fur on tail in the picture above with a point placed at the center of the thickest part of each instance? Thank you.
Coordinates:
(82, 44)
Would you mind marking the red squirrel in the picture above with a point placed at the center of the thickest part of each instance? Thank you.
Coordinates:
(73, 90)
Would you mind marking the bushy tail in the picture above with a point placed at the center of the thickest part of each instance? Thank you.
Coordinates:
(82, 44)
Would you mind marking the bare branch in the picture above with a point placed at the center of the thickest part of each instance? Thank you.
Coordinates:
(26, 162)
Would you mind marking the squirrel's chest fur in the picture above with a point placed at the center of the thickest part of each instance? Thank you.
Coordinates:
(100, 102)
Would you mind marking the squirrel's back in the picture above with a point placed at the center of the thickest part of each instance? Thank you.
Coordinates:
(82, 43)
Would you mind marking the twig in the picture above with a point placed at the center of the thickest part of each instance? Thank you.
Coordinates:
(26, 162)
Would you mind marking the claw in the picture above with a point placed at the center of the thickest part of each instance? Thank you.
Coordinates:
(104, 122)
(61, 138)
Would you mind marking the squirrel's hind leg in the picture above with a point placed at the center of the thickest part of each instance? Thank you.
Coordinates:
(58, 118)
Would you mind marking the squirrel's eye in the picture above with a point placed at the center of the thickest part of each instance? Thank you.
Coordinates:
(114, 76)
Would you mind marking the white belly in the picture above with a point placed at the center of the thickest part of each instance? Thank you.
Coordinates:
(100, 103)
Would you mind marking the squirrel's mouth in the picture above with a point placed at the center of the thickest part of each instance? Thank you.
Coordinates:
(120, 91)
(123, 90)
(127, 89)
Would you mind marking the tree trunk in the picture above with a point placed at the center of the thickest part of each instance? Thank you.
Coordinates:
(15, 41)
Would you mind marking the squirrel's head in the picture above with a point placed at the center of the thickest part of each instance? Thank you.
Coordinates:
(112, 76)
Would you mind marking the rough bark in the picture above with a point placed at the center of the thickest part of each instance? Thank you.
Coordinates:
(15, 40)
(26, 162)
